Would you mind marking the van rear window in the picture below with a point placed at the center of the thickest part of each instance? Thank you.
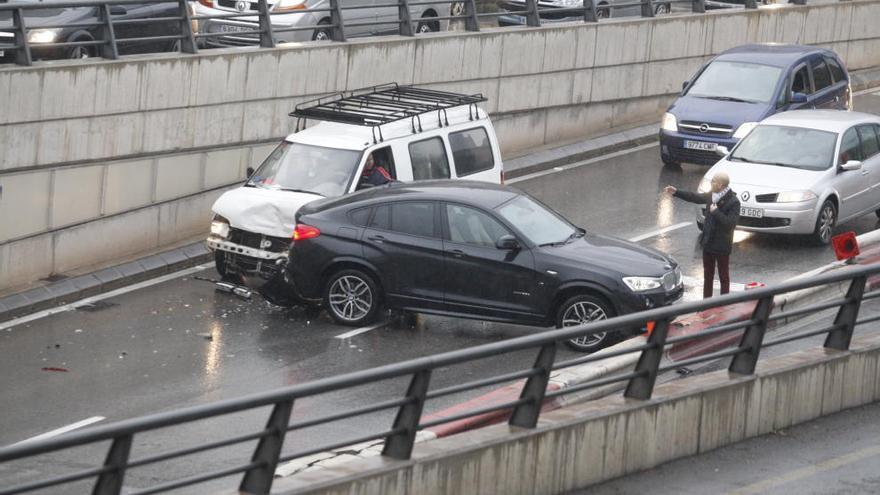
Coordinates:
(471, 151)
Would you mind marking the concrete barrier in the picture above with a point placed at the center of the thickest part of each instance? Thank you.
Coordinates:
(582, 445)
(91, 142)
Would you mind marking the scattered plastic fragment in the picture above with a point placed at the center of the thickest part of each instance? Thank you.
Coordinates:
(53, 368)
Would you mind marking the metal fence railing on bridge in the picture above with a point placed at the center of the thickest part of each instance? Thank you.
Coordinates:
(83, 29)
(255, 472)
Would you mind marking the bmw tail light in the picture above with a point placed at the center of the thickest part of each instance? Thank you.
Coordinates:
(302, 232)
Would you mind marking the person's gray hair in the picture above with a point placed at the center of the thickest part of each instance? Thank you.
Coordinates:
(722, 178)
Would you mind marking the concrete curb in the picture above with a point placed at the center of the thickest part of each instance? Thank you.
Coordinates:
(73, 289)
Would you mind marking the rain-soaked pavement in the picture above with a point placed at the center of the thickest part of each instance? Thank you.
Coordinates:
(180, 343)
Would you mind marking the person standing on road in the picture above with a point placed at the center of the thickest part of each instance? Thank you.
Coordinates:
(722, 214)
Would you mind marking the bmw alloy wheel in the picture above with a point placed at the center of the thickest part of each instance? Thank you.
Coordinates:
(350, 298)
(582, 312)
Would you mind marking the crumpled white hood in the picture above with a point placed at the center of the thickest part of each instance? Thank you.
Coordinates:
(262, 211)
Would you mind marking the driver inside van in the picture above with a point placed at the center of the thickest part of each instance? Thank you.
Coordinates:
(374, 174)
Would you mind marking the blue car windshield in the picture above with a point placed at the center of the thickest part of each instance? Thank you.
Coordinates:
(737, 81)
(307, 168)
(795, 147)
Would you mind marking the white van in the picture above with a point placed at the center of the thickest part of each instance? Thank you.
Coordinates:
(412, 133)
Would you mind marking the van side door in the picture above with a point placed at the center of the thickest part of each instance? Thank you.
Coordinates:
(474, 156)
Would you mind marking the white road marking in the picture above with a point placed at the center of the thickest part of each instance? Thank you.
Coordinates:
(657, 232)
(580, 164)
(872, 91)
(358, 331)
(698, 282)
(99, 297)
(64, 429)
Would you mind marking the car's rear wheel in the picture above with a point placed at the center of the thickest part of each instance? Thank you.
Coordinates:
(322, 34)
(825, 223)
(603, 12)
(352, 297)
(581, 309)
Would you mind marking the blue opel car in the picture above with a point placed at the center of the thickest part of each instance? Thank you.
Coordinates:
(740, 87)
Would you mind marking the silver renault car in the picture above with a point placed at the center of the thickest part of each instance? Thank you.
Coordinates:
(804, 171)
(359, 18)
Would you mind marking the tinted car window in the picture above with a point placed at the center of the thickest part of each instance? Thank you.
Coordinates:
(539, 224)
(429, 159)
(382, 218)
(471, 151)
(787, 146)
(821, 74)
(471, 226)
(836, 70)
(413, 218)
(801, 82)
(360, 216)
(850, 147)
(870, 146)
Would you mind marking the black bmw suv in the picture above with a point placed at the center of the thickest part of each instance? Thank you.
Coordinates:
(473, 250)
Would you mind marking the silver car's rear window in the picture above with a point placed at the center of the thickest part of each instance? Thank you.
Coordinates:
(787, 146)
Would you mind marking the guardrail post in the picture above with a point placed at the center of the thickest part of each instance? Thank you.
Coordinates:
(23, 52)
(751, 4)
(744, 363)
(590, 11)
(259, 479)
(526, 415)
(642, 386)
(399, 445)
(267, 39)
(108, 48)
(188, 41)
(647, 8)
(532, 17)
(110, 483)
(845, 321)
(337, 32)
(405, 18)
(471, 22)
(698, 6)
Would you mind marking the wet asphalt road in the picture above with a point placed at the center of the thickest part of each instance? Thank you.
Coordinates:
(180, 343)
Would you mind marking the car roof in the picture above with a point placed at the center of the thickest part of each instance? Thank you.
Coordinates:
(481, 194)
(359, 137)
(824, 120)
(776, 54)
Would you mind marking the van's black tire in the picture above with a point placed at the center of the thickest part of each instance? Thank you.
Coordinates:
(352, 297)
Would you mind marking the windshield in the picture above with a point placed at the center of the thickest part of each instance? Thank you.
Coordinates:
(538, 223)
(787, 146)
(306, 168)
(737, 81)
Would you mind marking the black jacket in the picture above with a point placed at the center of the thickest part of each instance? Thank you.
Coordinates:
(719, 225)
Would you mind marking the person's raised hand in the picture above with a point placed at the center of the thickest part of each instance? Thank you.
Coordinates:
(669, 190)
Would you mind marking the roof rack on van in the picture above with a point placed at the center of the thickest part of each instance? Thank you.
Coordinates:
(378, 105)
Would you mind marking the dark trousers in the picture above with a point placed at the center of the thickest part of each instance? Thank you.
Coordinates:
(709, 261)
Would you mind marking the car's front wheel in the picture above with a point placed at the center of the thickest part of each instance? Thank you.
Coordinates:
(352, 297)
(581, 309)
(825, 223)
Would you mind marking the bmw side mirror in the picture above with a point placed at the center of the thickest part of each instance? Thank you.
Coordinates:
(851, 165)
(507, 242)
(722, 150)
(249, 171)
(798, 98)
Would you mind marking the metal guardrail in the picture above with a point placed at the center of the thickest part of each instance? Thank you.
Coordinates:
(105, 43)
(257, 472)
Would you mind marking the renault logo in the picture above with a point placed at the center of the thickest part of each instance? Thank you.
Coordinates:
(745, 196)
(241, 6)
(704, 127)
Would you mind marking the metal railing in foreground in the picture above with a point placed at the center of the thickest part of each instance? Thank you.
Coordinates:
(98, 33)
(257, 471)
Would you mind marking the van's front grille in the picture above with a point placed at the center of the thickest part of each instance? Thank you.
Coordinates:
(259, 241)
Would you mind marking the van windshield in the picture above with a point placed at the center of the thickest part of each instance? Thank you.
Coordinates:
(306, 168)
(737, 81)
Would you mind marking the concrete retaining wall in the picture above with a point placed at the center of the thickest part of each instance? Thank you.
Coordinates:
(582, 445)
(84, 141)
